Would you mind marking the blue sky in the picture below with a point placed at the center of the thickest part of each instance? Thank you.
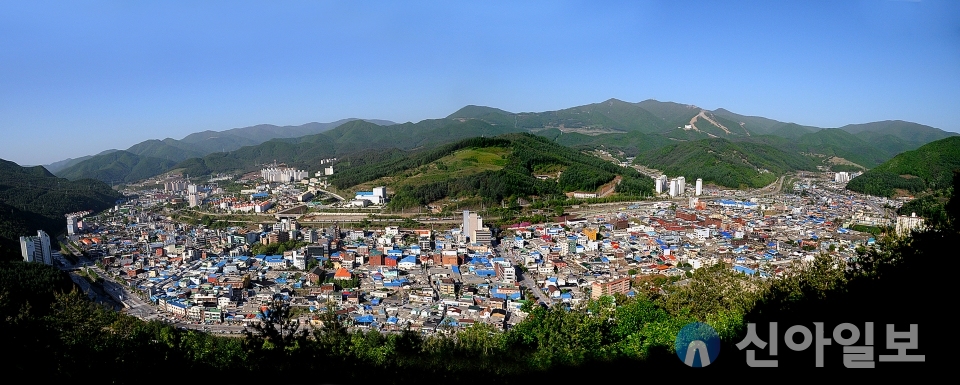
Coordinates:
(80, 77)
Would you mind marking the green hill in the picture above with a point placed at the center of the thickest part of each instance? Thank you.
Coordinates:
(494, 169)
(117, 167)
(836, 142)
(725, 163)
(32, 199)
(896, 136)
(349, 138)
(169, 149)
(927, 168)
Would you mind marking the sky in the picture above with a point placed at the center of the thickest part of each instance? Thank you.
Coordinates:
(80, 77)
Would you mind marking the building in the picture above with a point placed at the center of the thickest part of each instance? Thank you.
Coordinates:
(283, 175)
(505, 272)
(36, 249)
(601, 288)
(328, 171)
(673, 187)
(661, 184)
(472, 224)
(72, 228)
(193, 199)
(378, 196)
(841, 177)
(699, 187)
(681, 184)
(907, 223)
(191, 189)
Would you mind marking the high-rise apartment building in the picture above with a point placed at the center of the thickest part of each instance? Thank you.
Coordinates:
(699, 187)
(673, 187)
(36, 249)
(681, 183)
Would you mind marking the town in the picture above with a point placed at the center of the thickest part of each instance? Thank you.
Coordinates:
(445, 273)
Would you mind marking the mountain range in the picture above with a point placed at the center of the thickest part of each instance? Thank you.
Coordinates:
(202, 143)
(630, 129)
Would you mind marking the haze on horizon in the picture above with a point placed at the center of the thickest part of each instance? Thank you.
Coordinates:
(78, 79)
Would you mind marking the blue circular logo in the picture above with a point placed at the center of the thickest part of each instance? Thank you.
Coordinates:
(697, 344)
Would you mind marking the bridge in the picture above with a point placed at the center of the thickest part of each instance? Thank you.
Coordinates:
(292, 213)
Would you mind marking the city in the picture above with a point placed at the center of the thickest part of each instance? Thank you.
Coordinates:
(440, 281)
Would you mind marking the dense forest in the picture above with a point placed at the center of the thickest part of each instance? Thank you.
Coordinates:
(725, 163)
(927, 168)
(32, 199)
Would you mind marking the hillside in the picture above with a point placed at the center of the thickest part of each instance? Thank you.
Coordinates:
(117, 167)
(725, 163)
(896, 136)
(349, 138)
(32, 199)
(615, 125)
(928, 168)
(199, 144)
(491, 168)
(836, 142)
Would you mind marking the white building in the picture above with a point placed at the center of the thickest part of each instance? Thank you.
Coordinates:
(378, 196)
(193, 199)
(191, 189)
(905, 224)
(681, 184)
(36, 249)
(283, 175)
(472, 223)
(699, 187)
(328, 170)
(661, 184)
(673, 187)
(72, 228)
(841, 177)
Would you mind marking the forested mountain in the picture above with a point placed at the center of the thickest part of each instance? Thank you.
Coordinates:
(896, 136)
(349, 138)
(494, 169)
(192, 146)
(631, 128)
(117, 167)
(725, 163)
(839, 143)
(32, 199)
(927, 168)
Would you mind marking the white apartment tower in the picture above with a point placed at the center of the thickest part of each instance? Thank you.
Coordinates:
(72, 228)
(699, 188)
(681, 183)
(36, 249)
(662, 184)
(673, 187)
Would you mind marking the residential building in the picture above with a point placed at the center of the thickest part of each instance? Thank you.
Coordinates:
(907, 223)
(699, 187)
(604, 287)
(36, 249)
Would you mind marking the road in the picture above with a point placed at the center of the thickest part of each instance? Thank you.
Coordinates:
(525, 279)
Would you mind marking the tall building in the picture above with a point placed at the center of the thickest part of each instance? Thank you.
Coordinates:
(193, 199)
(841, 177)
(283, 174)
(72, 228)
(191, 189)
(681, 183)
(673, 187)
(699, 188)
(472, 224)
(662, 184)
(36, 249)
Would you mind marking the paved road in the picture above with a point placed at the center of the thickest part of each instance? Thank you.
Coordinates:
(525, 279)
